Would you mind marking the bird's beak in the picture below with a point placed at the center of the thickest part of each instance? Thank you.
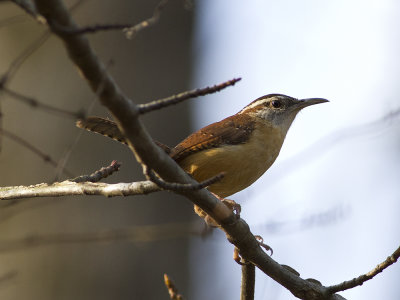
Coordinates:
(310, 101)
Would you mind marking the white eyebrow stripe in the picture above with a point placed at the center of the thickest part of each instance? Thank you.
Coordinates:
(254, 104)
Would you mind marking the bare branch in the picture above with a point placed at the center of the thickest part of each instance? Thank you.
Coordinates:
(132, 31)
(100, 174)
(248, 281)
(17, 63)
(91, 29)
(64, 159)
(68, 188)
(37, 104)
(27, 6)
(363, 278)
(13, 20)
(172, 290)
(47, 158)
(174, 186)
(30, 8)
(175, 99)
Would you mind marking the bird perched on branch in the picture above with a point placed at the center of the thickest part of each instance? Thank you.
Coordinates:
(242, 146)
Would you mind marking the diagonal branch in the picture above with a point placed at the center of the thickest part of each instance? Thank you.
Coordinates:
(175, 99)
(172, 290)
(27, 6)
(37, 104)
(132, 31)
(363, 278)
(47, 158)
(99, 174)
(18, 62)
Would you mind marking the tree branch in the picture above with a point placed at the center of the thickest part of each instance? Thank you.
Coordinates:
(17, 63)
(68, 188)
(37, 104)
(100, 174)
(27, 6)
(248, 281)
(363, 278)
(47, 158)
(172, 290)
(175, 99)
(132, 31)
(174, 186)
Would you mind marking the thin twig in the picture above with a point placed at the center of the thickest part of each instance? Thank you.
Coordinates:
(30, 8)
(47, 158)
(248, 281)
(363, 278)
(17, 63)
(89, 29)
(174, 186)
(37, 104)
(27, 6)
(67, 153)
(132, 31)
(99, 174)
(13, 20)
(172, 290)
(174, 99)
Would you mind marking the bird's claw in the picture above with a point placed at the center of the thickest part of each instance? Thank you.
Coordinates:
(235, 207)
(231, 204)
(260, 241)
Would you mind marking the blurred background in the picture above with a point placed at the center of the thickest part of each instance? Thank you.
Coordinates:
(328, 207)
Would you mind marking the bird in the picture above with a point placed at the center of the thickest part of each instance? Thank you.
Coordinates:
(242, 147)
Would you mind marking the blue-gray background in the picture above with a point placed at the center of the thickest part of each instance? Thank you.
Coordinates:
(329, 206)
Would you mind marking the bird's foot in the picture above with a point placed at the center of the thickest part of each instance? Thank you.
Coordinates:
(260, 240)
(235, 207)
(231, 204)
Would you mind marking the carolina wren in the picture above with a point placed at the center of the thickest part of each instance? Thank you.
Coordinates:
(243, 146)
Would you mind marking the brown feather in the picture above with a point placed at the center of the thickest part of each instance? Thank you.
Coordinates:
(233, 130)
(110, 129)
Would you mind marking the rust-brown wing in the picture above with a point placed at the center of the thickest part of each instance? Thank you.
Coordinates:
(230, 131)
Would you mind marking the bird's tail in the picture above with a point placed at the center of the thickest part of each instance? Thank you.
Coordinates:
(110, 129)
(103, 126)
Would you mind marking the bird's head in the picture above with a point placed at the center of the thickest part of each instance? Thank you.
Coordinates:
(278, 110)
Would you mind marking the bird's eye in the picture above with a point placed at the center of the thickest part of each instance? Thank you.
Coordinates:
(276, 103)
